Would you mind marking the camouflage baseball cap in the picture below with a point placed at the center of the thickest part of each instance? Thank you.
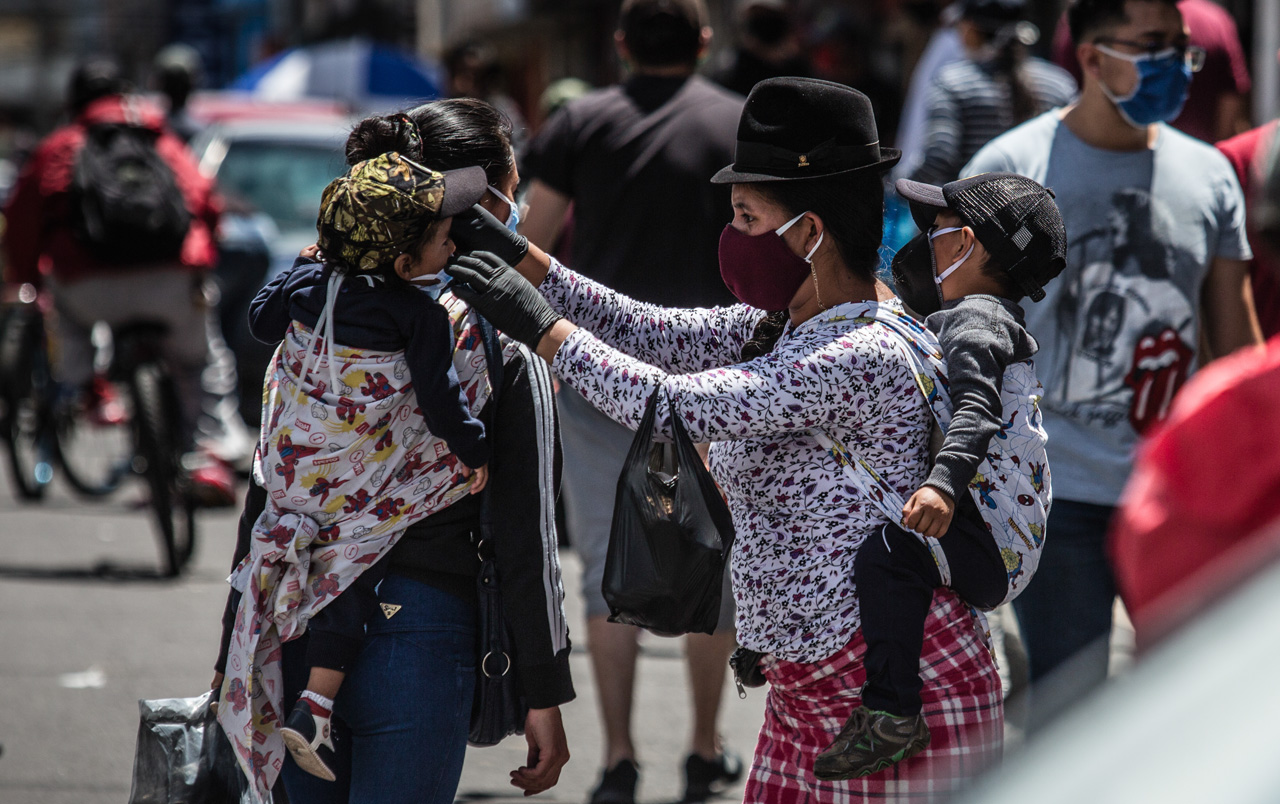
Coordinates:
(382, 206)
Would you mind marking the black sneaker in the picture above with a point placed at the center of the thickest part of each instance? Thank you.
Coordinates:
(871, 741)
(705, 778)
(309, 737)
(617, 784)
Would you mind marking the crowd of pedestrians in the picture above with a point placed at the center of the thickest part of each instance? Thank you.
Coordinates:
(490, 305)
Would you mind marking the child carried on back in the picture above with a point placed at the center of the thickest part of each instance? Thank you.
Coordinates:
(985, 242)
(365, 430)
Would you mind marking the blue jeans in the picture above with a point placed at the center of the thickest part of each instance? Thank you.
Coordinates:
(1064, 614)
(402, 716)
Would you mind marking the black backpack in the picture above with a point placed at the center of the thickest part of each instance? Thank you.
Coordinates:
(125, 203)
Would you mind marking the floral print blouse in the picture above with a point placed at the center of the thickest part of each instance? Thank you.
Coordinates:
(799, 521)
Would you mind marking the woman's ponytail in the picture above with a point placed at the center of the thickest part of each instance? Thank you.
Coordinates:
(1011, 56)
(765, 336)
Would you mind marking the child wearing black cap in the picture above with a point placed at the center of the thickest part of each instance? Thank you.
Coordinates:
(985, 242)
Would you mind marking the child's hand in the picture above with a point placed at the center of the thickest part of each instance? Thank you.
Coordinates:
(481, 477)
(310, 252)
(928, 512)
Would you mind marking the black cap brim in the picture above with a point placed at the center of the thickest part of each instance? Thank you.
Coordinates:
(731, 175)
(925, 201)
(463, 189)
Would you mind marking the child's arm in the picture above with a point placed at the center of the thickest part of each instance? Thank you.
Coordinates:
(429, 353)
(269, 317)
(978, 343)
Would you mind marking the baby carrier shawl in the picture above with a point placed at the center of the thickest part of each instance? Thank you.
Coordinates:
(1011, 487)
(348, 464)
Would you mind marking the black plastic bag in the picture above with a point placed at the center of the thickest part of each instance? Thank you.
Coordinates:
(183, 757)
(670, 538)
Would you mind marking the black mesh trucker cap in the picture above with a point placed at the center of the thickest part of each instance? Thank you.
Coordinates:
(1014, 218)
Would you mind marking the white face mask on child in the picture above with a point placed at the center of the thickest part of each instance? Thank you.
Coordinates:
(942, 276)
(433, 284)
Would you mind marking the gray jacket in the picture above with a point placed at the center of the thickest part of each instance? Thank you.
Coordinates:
(980, 336)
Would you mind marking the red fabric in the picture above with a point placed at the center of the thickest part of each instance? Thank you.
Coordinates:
(38, 237)
(1225, 68)
(1247, 153)
(808, 704)
(1205, 483)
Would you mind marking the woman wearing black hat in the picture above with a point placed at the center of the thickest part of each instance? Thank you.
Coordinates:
(803, 352)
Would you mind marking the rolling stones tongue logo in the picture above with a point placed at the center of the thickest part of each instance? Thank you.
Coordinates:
(1160, 366)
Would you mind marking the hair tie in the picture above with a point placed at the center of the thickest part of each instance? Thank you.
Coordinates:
(404, 125)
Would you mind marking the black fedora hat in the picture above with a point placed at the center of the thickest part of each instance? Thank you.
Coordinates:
(804, 128)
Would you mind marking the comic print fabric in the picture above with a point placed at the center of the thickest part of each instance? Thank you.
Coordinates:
(1118, 330)
(1012, 487)
(346, 470)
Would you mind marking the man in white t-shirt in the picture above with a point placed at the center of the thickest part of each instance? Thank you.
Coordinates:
(1156, 249)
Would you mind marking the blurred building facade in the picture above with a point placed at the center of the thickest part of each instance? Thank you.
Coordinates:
(870, 44)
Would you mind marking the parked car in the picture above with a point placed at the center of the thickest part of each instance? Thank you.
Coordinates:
(271, 173)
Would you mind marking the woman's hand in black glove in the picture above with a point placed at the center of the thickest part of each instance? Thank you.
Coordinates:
(499, 293)
(476, 230)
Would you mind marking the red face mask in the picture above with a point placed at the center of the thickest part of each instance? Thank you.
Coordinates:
(762, 270)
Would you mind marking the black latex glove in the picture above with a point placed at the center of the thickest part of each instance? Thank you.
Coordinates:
(499, 293)
(477, 230)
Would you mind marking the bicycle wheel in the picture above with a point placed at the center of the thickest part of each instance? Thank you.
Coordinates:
(155, 427)
(95, 455)
(27, 397)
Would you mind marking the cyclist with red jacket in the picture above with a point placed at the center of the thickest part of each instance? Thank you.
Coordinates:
(64, 234)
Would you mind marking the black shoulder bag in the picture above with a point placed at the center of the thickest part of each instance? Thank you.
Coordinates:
(498, 710)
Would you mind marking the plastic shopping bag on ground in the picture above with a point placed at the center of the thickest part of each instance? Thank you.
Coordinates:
(670, 538)
(183, 757)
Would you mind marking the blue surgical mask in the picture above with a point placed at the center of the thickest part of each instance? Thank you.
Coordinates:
(1163, 81)
(513, 217)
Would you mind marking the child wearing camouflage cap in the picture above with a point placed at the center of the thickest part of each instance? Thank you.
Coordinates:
(349, 456)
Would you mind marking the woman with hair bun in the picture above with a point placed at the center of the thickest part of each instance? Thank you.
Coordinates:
(401, 719)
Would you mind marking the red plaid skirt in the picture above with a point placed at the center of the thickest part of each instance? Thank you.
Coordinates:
(809, 703)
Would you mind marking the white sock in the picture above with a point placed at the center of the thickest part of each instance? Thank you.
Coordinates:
(327, 703)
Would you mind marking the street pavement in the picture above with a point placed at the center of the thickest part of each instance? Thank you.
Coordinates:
(88, 627)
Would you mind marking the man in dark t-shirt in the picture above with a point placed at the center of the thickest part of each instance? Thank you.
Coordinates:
(635, 161)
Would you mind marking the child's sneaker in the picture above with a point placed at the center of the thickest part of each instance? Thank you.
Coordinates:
(871, 741)
(308, 735)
